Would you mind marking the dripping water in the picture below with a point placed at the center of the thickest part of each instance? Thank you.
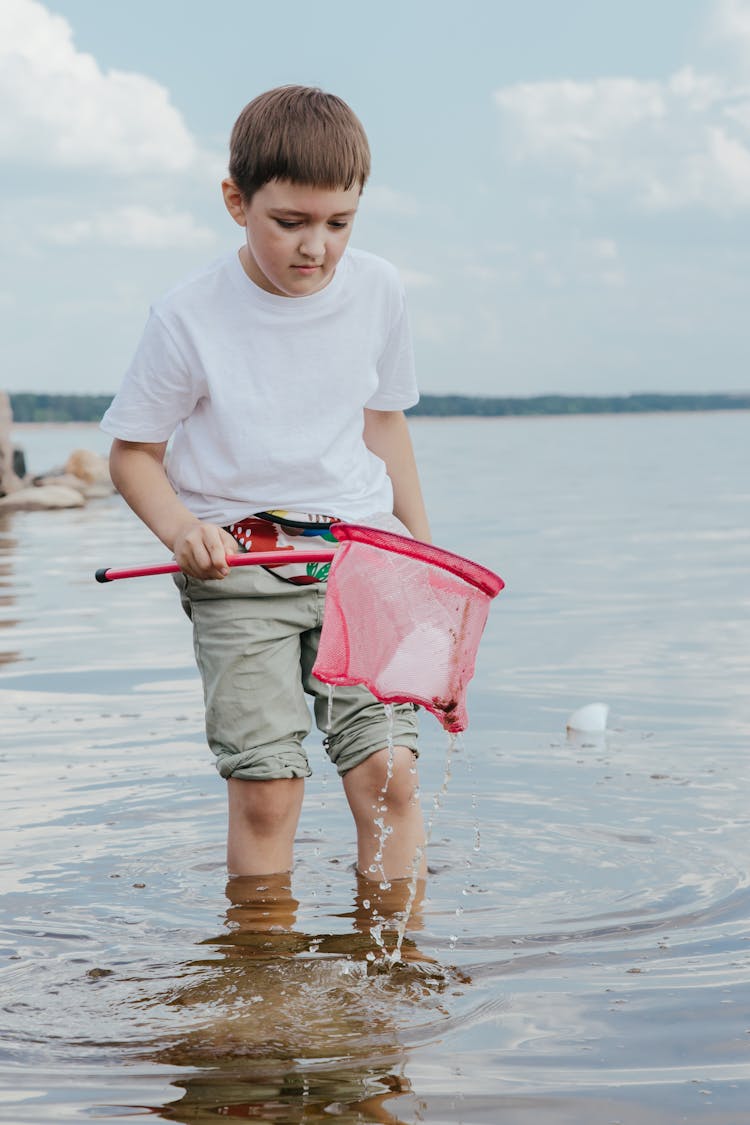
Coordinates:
(380, 808)
(329, 718)
(437, 802)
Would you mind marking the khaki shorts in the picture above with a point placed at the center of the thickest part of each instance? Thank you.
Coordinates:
(256, 637)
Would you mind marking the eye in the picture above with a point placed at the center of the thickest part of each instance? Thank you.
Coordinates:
(288, 224)
(338, 224)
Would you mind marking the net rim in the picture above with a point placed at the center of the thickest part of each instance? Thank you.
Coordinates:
(473, 573)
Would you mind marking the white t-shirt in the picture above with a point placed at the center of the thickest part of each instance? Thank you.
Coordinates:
(264, 394)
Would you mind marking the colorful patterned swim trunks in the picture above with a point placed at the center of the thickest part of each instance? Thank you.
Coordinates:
(282, 530)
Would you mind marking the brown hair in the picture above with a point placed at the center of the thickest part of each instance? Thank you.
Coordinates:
(298, 133)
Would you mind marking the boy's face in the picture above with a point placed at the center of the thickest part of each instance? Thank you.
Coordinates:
(295, 234)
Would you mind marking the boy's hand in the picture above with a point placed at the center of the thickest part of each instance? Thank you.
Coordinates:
(201, 550)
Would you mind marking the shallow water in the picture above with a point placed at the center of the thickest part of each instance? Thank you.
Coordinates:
(582, 951)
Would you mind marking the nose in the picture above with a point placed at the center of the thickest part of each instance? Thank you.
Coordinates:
(313, 245)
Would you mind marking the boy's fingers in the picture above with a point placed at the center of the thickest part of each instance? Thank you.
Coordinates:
(215, 560)
(213, 546)
(202, 553)
(229, 542)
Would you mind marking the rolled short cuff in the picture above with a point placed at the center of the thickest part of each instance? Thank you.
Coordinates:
(262, 763)
(370, 731)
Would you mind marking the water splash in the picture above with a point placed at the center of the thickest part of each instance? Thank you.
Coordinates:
(381, 808)
(437, 802)
(329, 717)
(477, 845)
(390, 720)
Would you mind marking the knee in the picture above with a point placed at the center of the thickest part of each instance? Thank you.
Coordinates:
(402, 791)
(385, 779)
(265, 806)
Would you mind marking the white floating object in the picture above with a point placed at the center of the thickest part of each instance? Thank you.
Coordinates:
(589, 719)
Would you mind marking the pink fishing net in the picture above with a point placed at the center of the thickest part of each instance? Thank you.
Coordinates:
(405, 619)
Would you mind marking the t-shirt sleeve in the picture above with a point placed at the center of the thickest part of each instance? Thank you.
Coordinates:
(397, 382)
(158, 390)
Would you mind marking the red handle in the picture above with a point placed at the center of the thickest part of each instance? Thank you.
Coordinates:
(261, 558)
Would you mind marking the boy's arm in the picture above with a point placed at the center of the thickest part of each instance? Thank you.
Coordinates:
(387, 436)
(138, 473)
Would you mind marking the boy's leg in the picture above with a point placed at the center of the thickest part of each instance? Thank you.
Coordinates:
(387, 815)
(263, 817)
(380, 785)
(259, 903)
(247, 644)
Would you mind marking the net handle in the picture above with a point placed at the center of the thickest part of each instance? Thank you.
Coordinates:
(471, 572)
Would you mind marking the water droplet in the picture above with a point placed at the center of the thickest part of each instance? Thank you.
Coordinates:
(329, 721)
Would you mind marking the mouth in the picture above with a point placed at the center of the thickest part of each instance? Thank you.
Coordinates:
(307, 269)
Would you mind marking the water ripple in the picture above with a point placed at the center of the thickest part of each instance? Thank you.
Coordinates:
(582, 951)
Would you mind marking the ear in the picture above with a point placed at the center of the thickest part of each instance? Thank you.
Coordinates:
(234, 201)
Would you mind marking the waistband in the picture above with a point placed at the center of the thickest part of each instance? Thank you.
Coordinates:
(282, 529)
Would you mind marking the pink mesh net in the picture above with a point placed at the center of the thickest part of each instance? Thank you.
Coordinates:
(404, 618)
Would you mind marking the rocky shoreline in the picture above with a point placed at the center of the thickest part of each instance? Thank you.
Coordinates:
(83, 477)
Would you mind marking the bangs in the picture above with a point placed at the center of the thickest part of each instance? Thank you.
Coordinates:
(301, 134)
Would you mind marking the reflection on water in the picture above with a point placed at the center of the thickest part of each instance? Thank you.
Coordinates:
(287, 1025)
(351, 1092)
(580, 949)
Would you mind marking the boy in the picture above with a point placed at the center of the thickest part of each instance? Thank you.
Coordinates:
(283, 373)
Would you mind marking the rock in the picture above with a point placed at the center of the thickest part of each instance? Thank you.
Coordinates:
(44, 497)
(90, 467)
(9, 482)
(19, 463)
(96, 491)
(99, 491)
(67, 480)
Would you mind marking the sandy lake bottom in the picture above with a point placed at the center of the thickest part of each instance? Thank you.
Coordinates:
(582, 954)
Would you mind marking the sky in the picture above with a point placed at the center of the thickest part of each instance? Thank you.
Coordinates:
(563, 184)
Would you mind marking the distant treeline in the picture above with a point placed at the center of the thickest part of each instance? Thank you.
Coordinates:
(89, 408)
(58, 408)
(450, 405)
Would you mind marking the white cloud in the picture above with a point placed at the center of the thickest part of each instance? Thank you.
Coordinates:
(604, 249)
(57, 107)
(670, 144)
(606, 262)
(137, 227)
(386, 199)
(485, 275)
(415, 279)
(732, 24)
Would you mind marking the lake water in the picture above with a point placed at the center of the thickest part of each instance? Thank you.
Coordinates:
(583, 951)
